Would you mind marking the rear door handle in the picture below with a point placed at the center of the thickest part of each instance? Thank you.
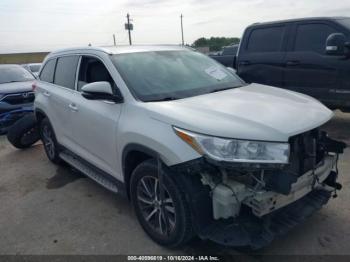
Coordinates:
(73, 107)
(244, 63)
(293, 63)
(47, 94)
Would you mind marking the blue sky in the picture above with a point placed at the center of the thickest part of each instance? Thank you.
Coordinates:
(45, 25)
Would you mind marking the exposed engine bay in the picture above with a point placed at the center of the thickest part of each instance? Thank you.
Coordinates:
(313, 165)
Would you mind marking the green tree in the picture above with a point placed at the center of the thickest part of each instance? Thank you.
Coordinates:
(215, 43)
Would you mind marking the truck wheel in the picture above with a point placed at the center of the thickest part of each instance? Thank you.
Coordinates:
(167, 223)
(24, 132)
(49, 140)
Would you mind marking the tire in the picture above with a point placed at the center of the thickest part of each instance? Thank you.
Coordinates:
(144, 180)
(24, 132)
(49, 140)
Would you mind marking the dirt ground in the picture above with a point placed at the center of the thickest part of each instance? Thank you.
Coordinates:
(45, 209)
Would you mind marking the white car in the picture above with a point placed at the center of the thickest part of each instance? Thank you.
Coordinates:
(34, 68)
(196, 149)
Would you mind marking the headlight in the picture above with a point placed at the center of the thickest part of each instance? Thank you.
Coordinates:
(235, 150)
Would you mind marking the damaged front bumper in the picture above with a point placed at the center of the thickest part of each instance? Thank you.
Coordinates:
(264, 215)
(248, 230)
(235, 213)
(265, 202)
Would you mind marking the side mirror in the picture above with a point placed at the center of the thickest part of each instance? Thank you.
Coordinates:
(100, 91)
(335, 44)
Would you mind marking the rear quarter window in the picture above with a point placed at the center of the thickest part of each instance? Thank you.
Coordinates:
(267, 39)
(47, 73)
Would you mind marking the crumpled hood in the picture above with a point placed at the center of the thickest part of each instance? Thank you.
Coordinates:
(255, 112)
(16, 87)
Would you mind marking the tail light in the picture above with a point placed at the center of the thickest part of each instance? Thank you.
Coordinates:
(33, 86)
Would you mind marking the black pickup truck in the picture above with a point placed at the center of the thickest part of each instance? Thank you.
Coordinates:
(227, 56)
(309, 55)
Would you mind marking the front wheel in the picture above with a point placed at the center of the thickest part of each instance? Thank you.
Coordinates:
(167, 221)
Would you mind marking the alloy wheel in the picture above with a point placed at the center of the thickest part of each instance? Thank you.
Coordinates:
(48, 141)
(160, 215)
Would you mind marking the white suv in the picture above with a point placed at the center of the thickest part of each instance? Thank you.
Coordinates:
(196, 149)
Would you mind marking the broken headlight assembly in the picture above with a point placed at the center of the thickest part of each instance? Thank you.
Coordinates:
(235, 150)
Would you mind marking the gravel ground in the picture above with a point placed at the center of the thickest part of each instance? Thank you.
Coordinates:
(45, 209)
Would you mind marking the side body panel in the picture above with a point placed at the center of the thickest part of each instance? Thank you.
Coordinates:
(94, 127)
(54, 102)
(137, 126)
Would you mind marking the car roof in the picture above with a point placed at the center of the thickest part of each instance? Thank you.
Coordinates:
(121, 49)
(300, 20)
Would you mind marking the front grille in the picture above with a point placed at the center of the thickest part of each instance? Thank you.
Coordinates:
(19, 98)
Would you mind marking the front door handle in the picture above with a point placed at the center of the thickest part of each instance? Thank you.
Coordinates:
(47, 94)
(73, 107)
(293, 63)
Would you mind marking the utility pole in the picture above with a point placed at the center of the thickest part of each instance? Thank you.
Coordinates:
(114, 40)
(129, 27)
(182, 30)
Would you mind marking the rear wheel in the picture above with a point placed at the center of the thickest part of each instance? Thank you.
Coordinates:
(167, 221)
(49, 140)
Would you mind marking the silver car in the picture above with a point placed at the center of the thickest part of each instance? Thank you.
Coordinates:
(196, 149)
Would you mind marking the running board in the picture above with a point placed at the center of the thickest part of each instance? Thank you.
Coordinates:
(89, 171)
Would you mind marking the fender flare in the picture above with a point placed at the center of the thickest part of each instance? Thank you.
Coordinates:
(129, 148)
(136, 147)
(39, 111)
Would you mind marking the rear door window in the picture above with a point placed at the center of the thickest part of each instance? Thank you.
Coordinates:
(48, 71)
(269, 39)
(66, 69)
(312, 37)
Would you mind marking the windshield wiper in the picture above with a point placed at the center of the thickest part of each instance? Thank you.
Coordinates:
(222, 89)
(168, 98)
(12, 81)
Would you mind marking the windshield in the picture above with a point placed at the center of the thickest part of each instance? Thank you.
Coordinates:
(169, 75)
(10, 74)
(345, 22)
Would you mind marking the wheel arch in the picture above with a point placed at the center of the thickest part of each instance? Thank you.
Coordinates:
(132, 156)
(39, 115)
